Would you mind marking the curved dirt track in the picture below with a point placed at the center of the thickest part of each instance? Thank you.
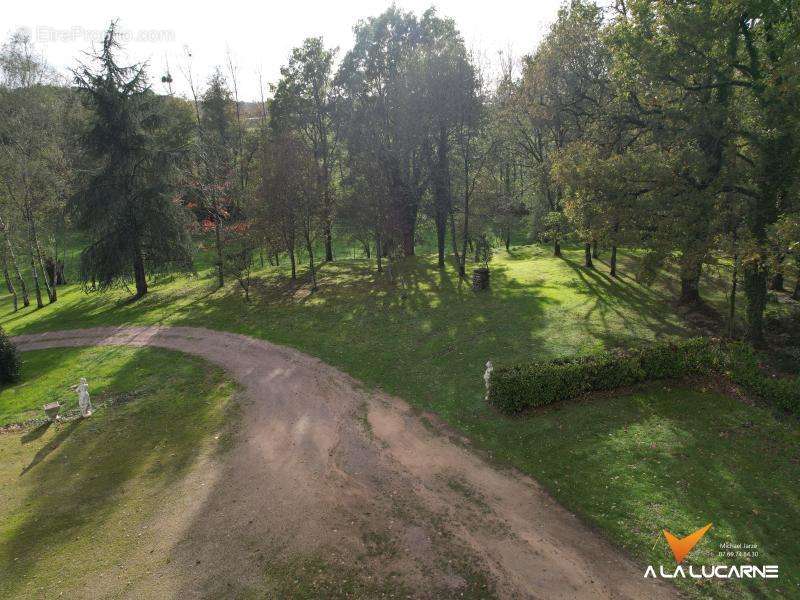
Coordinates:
(323, 468)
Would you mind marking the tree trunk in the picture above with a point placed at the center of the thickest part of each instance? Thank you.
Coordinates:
(508, 240)
(405, 212)
(796, 293)
(292, 262)
(774, 184)
(441, 234)
(408, 239)
(218, 236)
(9, 283)
(690, 290)
(139, 275)
(328, 241)
(462, 259)
(691, 268)
(556, 247)
(614, 249)
(55, 271)
(442, 192)
(587, 255)
(732, 310)
(50, 285)
(755, 286)
(35, 276)
(613, 261)
(327, 203)
(453, 238)
(310, 250)
(595, 250)
(463, 264)
(776, 283)
(36, 256)
(379, 252)
(22, 287)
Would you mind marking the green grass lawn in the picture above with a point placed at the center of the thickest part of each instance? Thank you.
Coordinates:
(50, 375)
(75, 496)
(426, 338)
(675, 458)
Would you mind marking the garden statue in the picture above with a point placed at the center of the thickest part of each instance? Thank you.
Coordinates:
(83, 398)
(487, 376)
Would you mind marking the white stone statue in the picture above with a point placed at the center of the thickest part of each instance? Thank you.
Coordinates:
(84, 403)
(487, 377)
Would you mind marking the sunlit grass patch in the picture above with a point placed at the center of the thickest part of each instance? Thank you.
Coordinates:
(76, 497)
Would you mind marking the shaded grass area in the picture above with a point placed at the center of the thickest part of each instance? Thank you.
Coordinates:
(76, 497)
(426, 338)
(50, 375)
(673, 458)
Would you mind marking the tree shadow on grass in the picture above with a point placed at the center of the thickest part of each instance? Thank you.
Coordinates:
(633, 308)
(52, 445)
(78, 479)
(674, 459)
(527, 252)
(78, 309)
(36, 433)
(427, 325)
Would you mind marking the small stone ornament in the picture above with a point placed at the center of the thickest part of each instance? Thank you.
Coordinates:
(487, 376)
(84, 403)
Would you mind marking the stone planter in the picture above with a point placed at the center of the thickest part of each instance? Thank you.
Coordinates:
(51, 410)
(480, 279)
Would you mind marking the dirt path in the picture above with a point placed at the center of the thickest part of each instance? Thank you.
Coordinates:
(356, 480)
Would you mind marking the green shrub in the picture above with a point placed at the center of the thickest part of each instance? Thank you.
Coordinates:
(517, 387)
(742, 367)
(9, 360)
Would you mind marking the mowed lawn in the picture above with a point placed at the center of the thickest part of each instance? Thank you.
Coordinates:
(51, 376)
(77, 498)
(631, 466)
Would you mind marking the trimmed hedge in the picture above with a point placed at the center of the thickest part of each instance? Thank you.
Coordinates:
(9, 360)
(742, 367)
(515, 388)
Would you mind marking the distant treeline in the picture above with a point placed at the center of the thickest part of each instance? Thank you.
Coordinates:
(669, 126)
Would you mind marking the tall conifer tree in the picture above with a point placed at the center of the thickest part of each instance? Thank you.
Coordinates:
(134, 144)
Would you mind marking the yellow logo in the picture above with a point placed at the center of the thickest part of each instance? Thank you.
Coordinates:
(682, 546)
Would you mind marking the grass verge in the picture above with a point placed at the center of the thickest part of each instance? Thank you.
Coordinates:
(77, 497)
(673, 458)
